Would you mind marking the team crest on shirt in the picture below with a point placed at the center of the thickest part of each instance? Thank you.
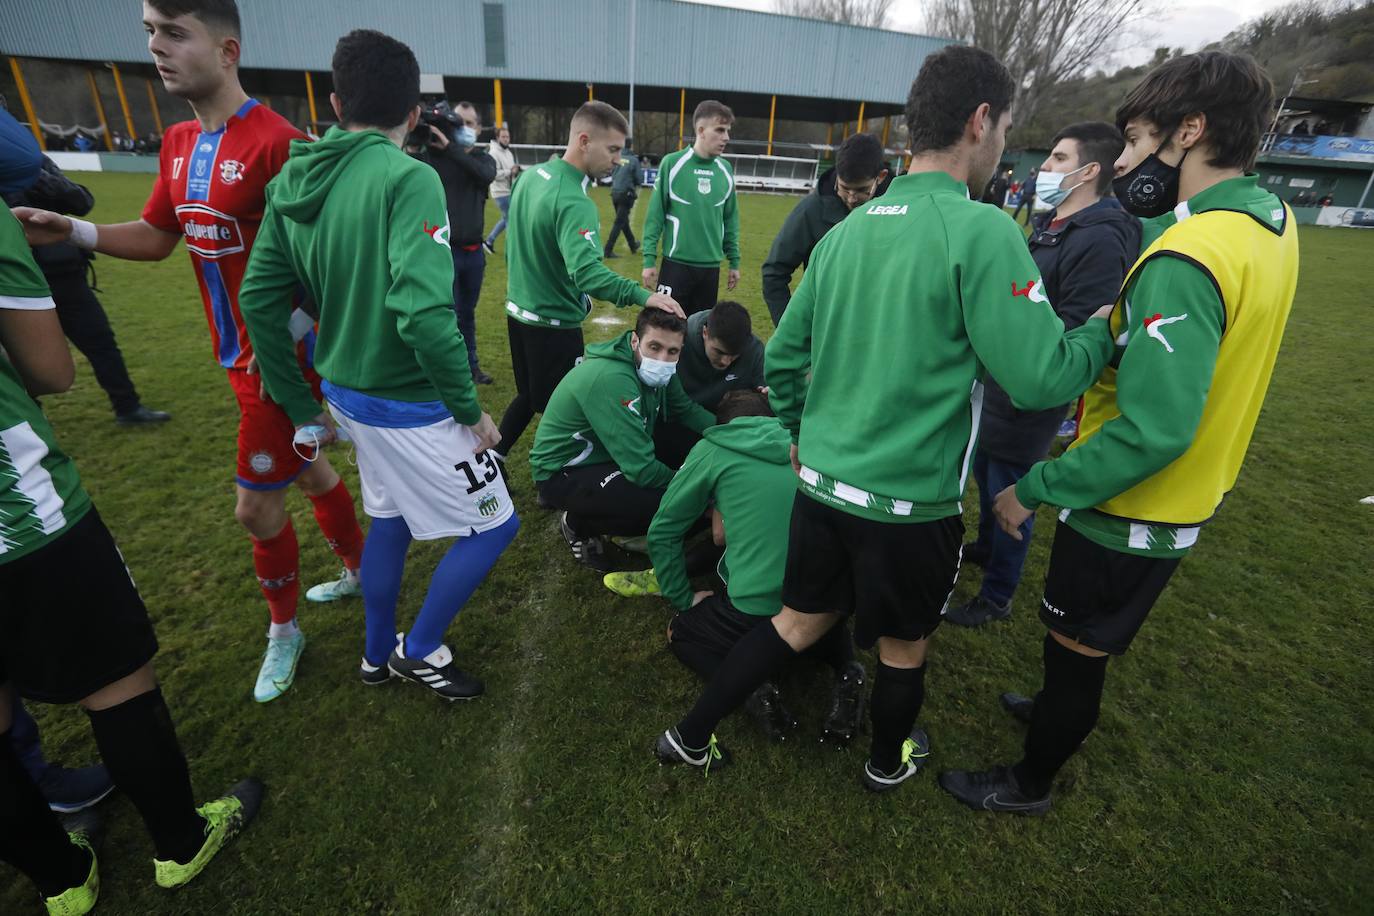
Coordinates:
(438, 233)
(1034, 291)
(703, 186)
(231, 171)
(261, 463)
(488, 505)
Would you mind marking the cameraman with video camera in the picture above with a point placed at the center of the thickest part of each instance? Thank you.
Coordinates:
(444, 138)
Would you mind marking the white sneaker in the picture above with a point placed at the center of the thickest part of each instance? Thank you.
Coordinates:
(347, 585)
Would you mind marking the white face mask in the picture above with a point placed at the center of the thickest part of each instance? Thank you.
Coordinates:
(656, 373)
(1048, 186)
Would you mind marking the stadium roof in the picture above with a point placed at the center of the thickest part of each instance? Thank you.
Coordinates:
(547, 49)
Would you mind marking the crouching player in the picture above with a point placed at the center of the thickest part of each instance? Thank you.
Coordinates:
(363, 226)
(742, 468)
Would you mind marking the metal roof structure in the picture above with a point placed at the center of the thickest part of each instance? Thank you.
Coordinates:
(545, 52)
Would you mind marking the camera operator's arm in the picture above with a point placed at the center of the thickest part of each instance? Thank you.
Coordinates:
(480, 167)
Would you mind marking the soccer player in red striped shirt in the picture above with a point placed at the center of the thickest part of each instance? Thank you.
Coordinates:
(209, 191)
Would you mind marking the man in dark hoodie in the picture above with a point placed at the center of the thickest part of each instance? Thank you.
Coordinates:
(83, 318)
(1083, 248)
(593, 454)
(466, 173)
(860, 174)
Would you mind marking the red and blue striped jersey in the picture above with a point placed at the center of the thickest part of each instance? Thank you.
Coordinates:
(210, 188)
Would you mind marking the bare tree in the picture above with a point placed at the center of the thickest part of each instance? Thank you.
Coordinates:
(871, 13)
(1042, 42)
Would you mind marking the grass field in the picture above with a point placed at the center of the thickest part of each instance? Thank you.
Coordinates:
(1230, 772)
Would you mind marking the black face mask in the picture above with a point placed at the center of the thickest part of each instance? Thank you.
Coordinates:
(1151, 188)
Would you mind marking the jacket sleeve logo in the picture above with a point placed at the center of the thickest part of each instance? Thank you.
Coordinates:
(1157, 321)
(1034, 291)
(589, 235)
(632, 405)
(438, 233)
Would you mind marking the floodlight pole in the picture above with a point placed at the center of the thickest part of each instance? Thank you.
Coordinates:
(634, 51)
(1367, 185)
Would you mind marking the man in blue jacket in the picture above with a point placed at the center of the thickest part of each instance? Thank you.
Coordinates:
(1083, 247)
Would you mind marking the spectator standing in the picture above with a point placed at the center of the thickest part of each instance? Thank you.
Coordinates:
(627, 176)
(466, 173)
(506, 170)
(1027, 198)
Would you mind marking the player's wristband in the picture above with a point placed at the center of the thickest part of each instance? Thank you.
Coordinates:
(84, 234)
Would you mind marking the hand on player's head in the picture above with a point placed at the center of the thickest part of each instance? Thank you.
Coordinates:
(666, 303)
(43, 227)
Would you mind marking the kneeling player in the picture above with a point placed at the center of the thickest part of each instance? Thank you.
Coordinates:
(363, 226)
(593, 455)
(1164, 431)
(720, 354)
(73, 629)
(741, 467)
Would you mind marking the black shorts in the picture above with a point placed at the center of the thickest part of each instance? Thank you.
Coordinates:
(894, 577)
(694, 288)
(71, 620)
(1098, 596)
(600, 499)
(714, 624)
(540, 357)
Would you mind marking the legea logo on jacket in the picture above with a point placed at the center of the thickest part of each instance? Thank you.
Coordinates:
(589, 235)
(632, 405)
(1156, 322)
(438, 233)
(1034, 291)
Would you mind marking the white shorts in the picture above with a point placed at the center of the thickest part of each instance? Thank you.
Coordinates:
(429, 476)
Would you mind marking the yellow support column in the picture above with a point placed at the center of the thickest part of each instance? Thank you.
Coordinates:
(590, 96)
(100, 109)
(310, 96)
(152, 103)
(681, 116)
(500, 114)
(887, 125)
(27, 102)
(862, 123)
(123, 101)
(772, 115)
(829, 138)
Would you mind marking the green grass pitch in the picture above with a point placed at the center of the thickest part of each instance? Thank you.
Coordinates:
(1230, 772)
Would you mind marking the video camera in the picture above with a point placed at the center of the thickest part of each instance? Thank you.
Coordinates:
(438, 115)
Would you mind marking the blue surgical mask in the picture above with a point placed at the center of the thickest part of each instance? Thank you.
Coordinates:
(656, 373)
(1049, 186)
(466, 136)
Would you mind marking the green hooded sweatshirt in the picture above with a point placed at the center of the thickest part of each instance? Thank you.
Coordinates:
(907, 303)
(363, 226)
(744, 469)
(602, 413)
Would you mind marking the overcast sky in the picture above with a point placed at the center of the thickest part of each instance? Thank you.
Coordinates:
(1188, 24)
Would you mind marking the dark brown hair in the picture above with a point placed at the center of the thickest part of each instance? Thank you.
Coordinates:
(952, 83)
(1231, 90)
(711, 110)
(600, 116)
(729, 326)
(376, 78)
(219, 15)
(744, 403)
(1097, 142)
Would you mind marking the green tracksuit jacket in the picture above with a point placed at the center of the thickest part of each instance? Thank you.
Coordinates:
(695, 199)
(553, 255)
(602, 413)
(363, 226)
(743, 469)
(906, 305)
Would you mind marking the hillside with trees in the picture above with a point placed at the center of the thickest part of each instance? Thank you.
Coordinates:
(1332, 43)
